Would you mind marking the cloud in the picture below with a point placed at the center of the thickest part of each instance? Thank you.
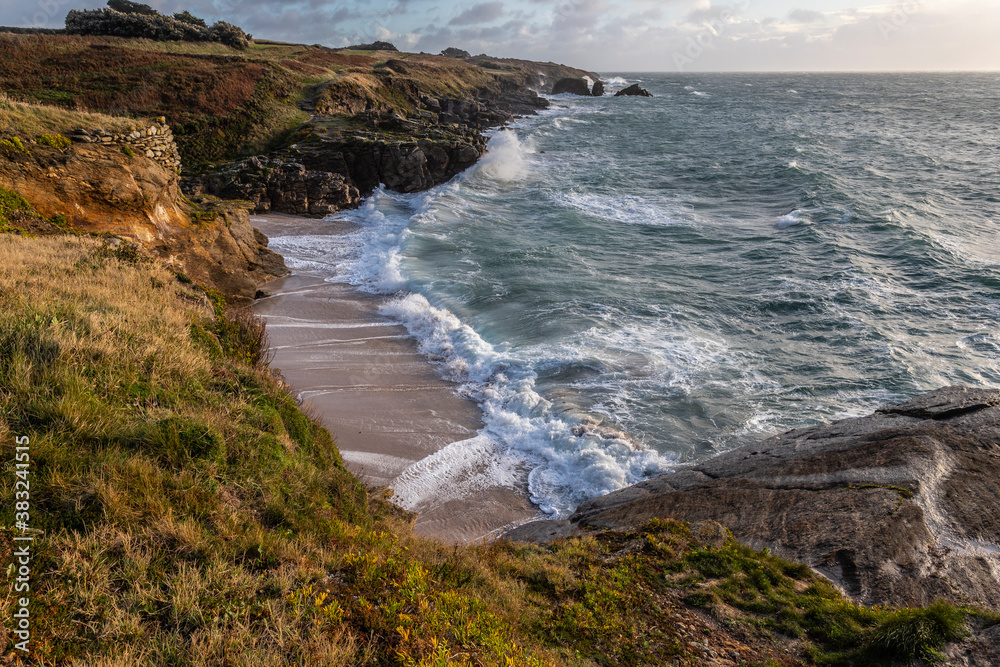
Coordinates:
(621, 35)
(484, 12)
(805, 16)
(713, 13)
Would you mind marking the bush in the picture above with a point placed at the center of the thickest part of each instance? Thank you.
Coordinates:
(374, 46)
(188, 17)
(452, 52)
(153, 26)
(229, 35)
(53, 140)
(10, 202)
(14, 144)
(126, 7)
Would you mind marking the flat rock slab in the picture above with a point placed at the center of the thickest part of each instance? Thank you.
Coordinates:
(900, 507)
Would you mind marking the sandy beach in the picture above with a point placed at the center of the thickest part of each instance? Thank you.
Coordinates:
(386, 406)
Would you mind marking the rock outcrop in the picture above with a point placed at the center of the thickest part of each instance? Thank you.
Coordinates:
(572, 86)
(328, 171)
(633, 91)
(96, 188)
(598, 90)
(277, 185)
(900, 507)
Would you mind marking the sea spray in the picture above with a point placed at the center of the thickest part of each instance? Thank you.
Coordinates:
(505, 159)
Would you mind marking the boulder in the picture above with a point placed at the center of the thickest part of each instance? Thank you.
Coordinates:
(633, 91)
(598, 90)
(899, 507)
(571, 85)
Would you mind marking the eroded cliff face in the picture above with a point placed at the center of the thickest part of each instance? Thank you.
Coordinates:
(97, 188)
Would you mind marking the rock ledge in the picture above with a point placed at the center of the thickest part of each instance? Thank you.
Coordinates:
(900, 507)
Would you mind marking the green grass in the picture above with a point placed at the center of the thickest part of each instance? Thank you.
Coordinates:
(10, 202)
(791, 602)
(194, 515)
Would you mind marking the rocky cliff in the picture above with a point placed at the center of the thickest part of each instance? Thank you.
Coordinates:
(98, 188)
(410, 124)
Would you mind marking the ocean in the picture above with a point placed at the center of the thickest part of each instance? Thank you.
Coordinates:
(625, 285)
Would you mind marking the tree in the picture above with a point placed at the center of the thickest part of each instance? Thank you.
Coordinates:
(128, 7)
(188, 17)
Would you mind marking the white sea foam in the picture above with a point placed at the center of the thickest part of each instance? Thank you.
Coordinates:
(791, 220)
(815, 214)
(458, 471)
(628, 209)
(506, 158)
(569, 462)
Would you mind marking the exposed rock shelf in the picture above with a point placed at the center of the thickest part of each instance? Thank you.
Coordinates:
(899, 507)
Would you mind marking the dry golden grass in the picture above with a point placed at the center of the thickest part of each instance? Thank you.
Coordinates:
(34, 119)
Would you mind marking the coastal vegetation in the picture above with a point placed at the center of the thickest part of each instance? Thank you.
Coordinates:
(189, 512)
(131, 19)
(221, 102)
(192, 514)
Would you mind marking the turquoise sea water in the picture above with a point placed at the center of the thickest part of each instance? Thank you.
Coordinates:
(625, 284)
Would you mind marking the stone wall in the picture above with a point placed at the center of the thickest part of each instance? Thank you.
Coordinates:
(155, 142)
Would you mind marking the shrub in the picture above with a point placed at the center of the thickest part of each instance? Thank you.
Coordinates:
(229, 35)
(188, 17)
(10, 202)
(14, 144)
(374, 46)
(152, 26)
(53, 140)
(127, 150)
(127, 7)
(452, 52)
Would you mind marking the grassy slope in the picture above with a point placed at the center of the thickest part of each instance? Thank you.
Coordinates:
(193, 515)
(34, 119)
(222, 103)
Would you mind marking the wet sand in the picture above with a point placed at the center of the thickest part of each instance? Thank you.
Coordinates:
(384, 403)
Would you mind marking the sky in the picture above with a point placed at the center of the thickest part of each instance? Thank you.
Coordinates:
(622, 35)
